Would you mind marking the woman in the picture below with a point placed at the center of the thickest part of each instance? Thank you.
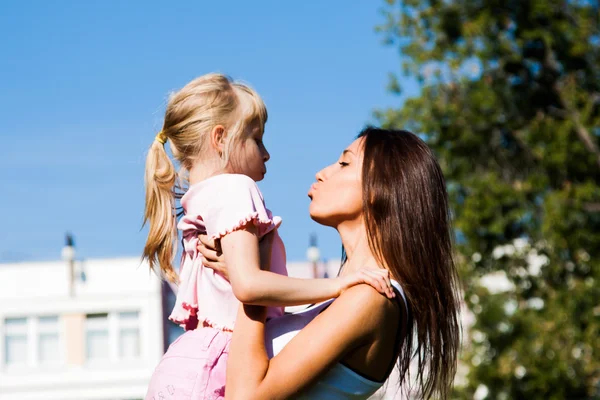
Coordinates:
(386, 197)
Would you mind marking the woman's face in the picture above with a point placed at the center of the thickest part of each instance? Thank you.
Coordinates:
(337, 194)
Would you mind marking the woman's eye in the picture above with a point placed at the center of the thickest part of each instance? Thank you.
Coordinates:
(343, 164)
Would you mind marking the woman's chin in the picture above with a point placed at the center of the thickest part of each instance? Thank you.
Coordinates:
(313, 214)
(319, 218)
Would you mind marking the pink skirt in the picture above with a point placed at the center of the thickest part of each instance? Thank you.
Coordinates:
(193, 368)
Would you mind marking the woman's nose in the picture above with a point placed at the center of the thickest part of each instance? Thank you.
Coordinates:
(324, 173)
(320, 176)
(266, 155)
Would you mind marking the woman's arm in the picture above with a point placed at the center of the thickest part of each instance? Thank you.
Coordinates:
(251, 285)
(346, 324)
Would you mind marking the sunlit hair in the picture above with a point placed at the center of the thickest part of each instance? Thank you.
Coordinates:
(191, 114)
(408, 225)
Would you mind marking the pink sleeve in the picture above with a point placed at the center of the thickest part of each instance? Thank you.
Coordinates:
(237, 203)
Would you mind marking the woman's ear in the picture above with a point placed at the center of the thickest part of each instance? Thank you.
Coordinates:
(217, 138)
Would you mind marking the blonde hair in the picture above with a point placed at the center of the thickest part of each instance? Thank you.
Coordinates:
(191, 114)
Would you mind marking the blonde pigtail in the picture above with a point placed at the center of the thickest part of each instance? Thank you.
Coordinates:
(159, 211)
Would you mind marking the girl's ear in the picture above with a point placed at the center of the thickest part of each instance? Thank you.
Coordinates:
(217, 138)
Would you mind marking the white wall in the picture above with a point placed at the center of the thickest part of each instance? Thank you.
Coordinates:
(111, 286)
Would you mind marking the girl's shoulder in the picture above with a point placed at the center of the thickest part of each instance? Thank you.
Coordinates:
(222, 188)
(224, 203)
(235, 189)
(240, 179)
(223, 181)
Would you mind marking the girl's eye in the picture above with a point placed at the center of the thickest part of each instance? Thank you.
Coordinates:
(343, 164)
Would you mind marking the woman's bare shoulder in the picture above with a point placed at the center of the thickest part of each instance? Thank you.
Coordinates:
(366, 302)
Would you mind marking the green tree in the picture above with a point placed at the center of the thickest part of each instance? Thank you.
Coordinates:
(510, 102)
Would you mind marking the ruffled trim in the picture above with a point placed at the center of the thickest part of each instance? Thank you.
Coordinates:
(267, 224)
(190, 321)
(193, 321)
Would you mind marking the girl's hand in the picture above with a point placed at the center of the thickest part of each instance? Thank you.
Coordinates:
(213, 256)
(378, 278)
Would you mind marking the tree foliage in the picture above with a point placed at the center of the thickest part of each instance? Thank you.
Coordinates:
(510, 102)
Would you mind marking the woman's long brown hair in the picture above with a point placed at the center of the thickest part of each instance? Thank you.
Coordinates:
(408, 226)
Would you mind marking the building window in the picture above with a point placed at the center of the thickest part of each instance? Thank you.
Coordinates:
(96, 334)
(15, 340)
(32, 341)
(48, 340)
(129, 335)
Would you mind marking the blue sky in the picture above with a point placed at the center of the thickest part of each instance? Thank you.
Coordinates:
(83, 90)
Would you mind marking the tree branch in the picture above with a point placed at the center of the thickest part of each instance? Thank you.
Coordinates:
(582, 133)
(591, 207)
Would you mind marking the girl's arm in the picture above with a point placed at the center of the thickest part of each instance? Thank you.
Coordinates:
(251, 285)
(349, 322)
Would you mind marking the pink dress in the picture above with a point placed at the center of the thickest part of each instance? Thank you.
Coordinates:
(194, 365)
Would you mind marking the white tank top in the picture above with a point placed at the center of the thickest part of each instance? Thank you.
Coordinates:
(339, 382)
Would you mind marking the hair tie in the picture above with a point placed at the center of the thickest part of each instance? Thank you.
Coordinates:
(161, 137)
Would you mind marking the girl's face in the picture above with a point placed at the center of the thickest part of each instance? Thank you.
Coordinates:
(337, 194)
(250, 154)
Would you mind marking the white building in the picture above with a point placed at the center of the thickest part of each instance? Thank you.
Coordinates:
(102, 342)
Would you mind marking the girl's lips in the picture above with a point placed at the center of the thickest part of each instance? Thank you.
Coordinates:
(313, 187)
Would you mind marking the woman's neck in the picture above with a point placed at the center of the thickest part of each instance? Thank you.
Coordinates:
(356, 245)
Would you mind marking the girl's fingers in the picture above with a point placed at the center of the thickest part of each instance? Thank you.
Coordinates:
(385, 275)
(373, 280)
(383, 281)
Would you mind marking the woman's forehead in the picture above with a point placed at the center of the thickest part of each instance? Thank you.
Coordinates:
(355, 147)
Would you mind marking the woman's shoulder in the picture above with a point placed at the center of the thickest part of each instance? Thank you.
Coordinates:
(367, 303)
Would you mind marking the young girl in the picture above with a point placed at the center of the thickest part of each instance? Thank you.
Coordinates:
(215, 128)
